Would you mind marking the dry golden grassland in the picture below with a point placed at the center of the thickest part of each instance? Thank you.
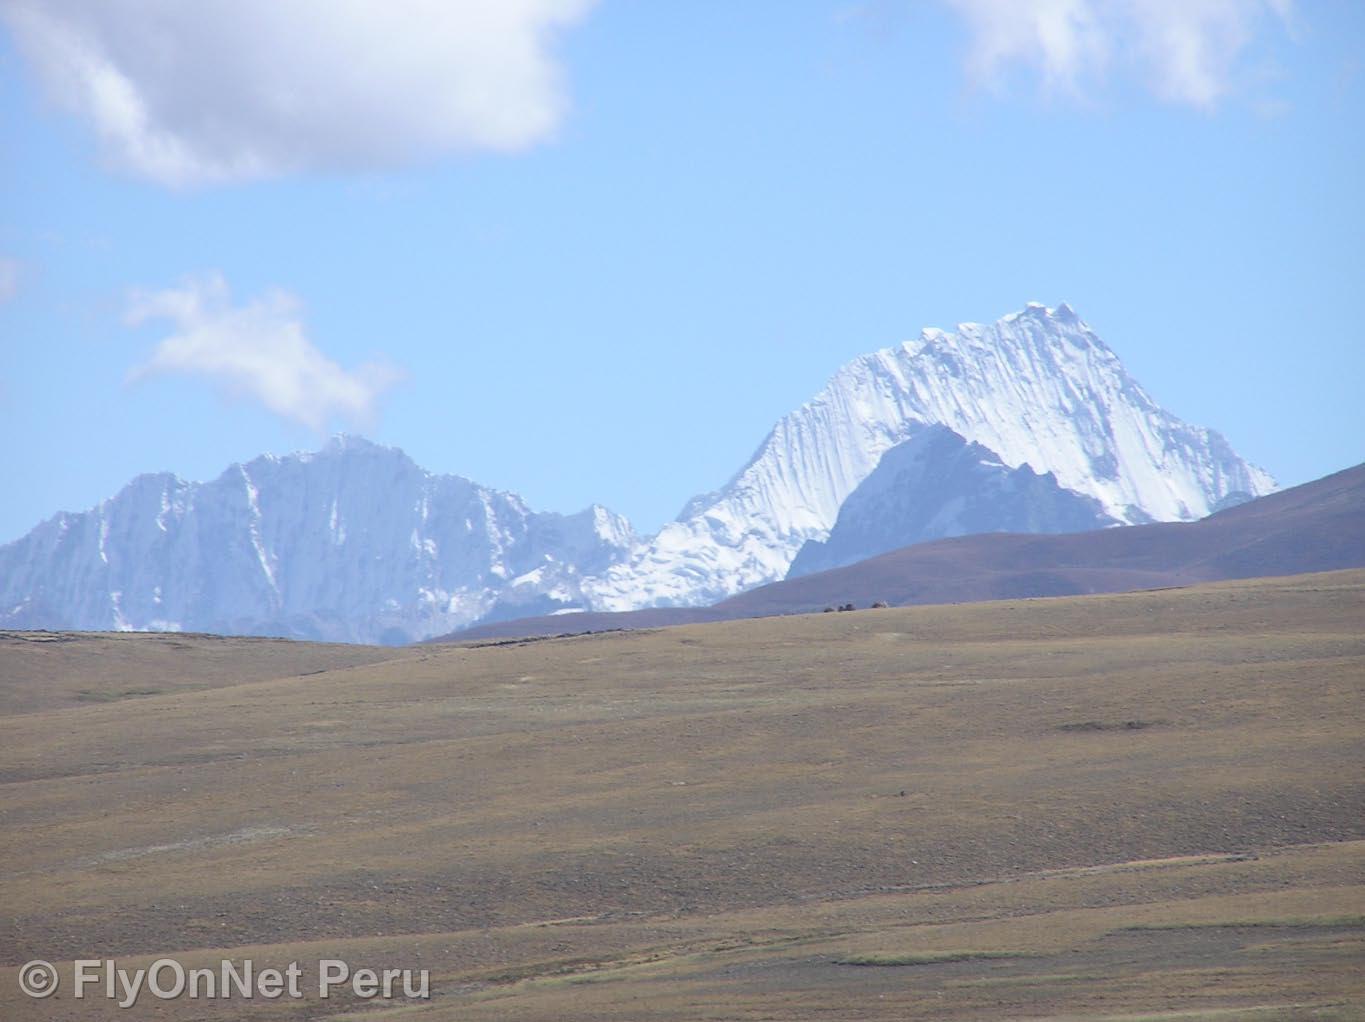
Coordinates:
(1113, 807)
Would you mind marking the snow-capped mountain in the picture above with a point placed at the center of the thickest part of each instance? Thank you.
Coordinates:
(1036, 388)
(355, 543)
(1030, 422)
(937, 485)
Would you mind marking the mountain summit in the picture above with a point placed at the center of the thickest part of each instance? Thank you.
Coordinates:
(1036, 388)
(1029, 423)
(353, 543)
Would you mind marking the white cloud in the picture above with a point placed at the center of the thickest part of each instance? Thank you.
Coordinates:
(1061, 38)
(258, 350)
(188, 92)
(9, 279)
(1184, 51)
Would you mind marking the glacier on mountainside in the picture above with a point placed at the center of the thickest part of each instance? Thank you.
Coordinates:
(353, 543)
(1037, 388)
(357, 543)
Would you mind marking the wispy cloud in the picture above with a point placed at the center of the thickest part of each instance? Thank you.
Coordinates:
(257, 350)
(9, 279)
(227, 90)
(1060, 38)
(1183, 51)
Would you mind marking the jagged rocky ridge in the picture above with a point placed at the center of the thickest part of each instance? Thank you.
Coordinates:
(358, 543)
(354, 543)
(1036, 388)
(937, 485)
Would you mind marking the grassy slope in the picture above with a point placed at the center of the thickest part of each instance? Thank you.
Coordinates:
(55, 670)
(1146, 803)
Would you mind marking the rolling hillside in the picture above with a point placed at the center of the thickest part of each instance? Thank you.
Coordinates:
(1319, 526)
(1140, 805)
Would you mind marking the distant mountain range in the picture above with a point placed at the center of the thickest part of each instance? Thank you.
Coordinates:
(1319, 526)
(353, 543)
(1028, 424)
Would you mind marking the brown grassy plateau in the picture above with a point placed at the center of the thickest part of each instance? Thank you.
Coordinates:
(1148, 805)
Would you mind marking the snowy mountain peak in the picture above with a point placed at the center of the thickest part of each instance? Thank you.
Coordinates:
(1037, 388)
(343, 443)
(353, 542)
(1029, 422)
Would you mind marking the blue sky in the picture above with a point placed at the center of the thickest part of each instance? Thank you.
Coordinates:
(639, 233)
